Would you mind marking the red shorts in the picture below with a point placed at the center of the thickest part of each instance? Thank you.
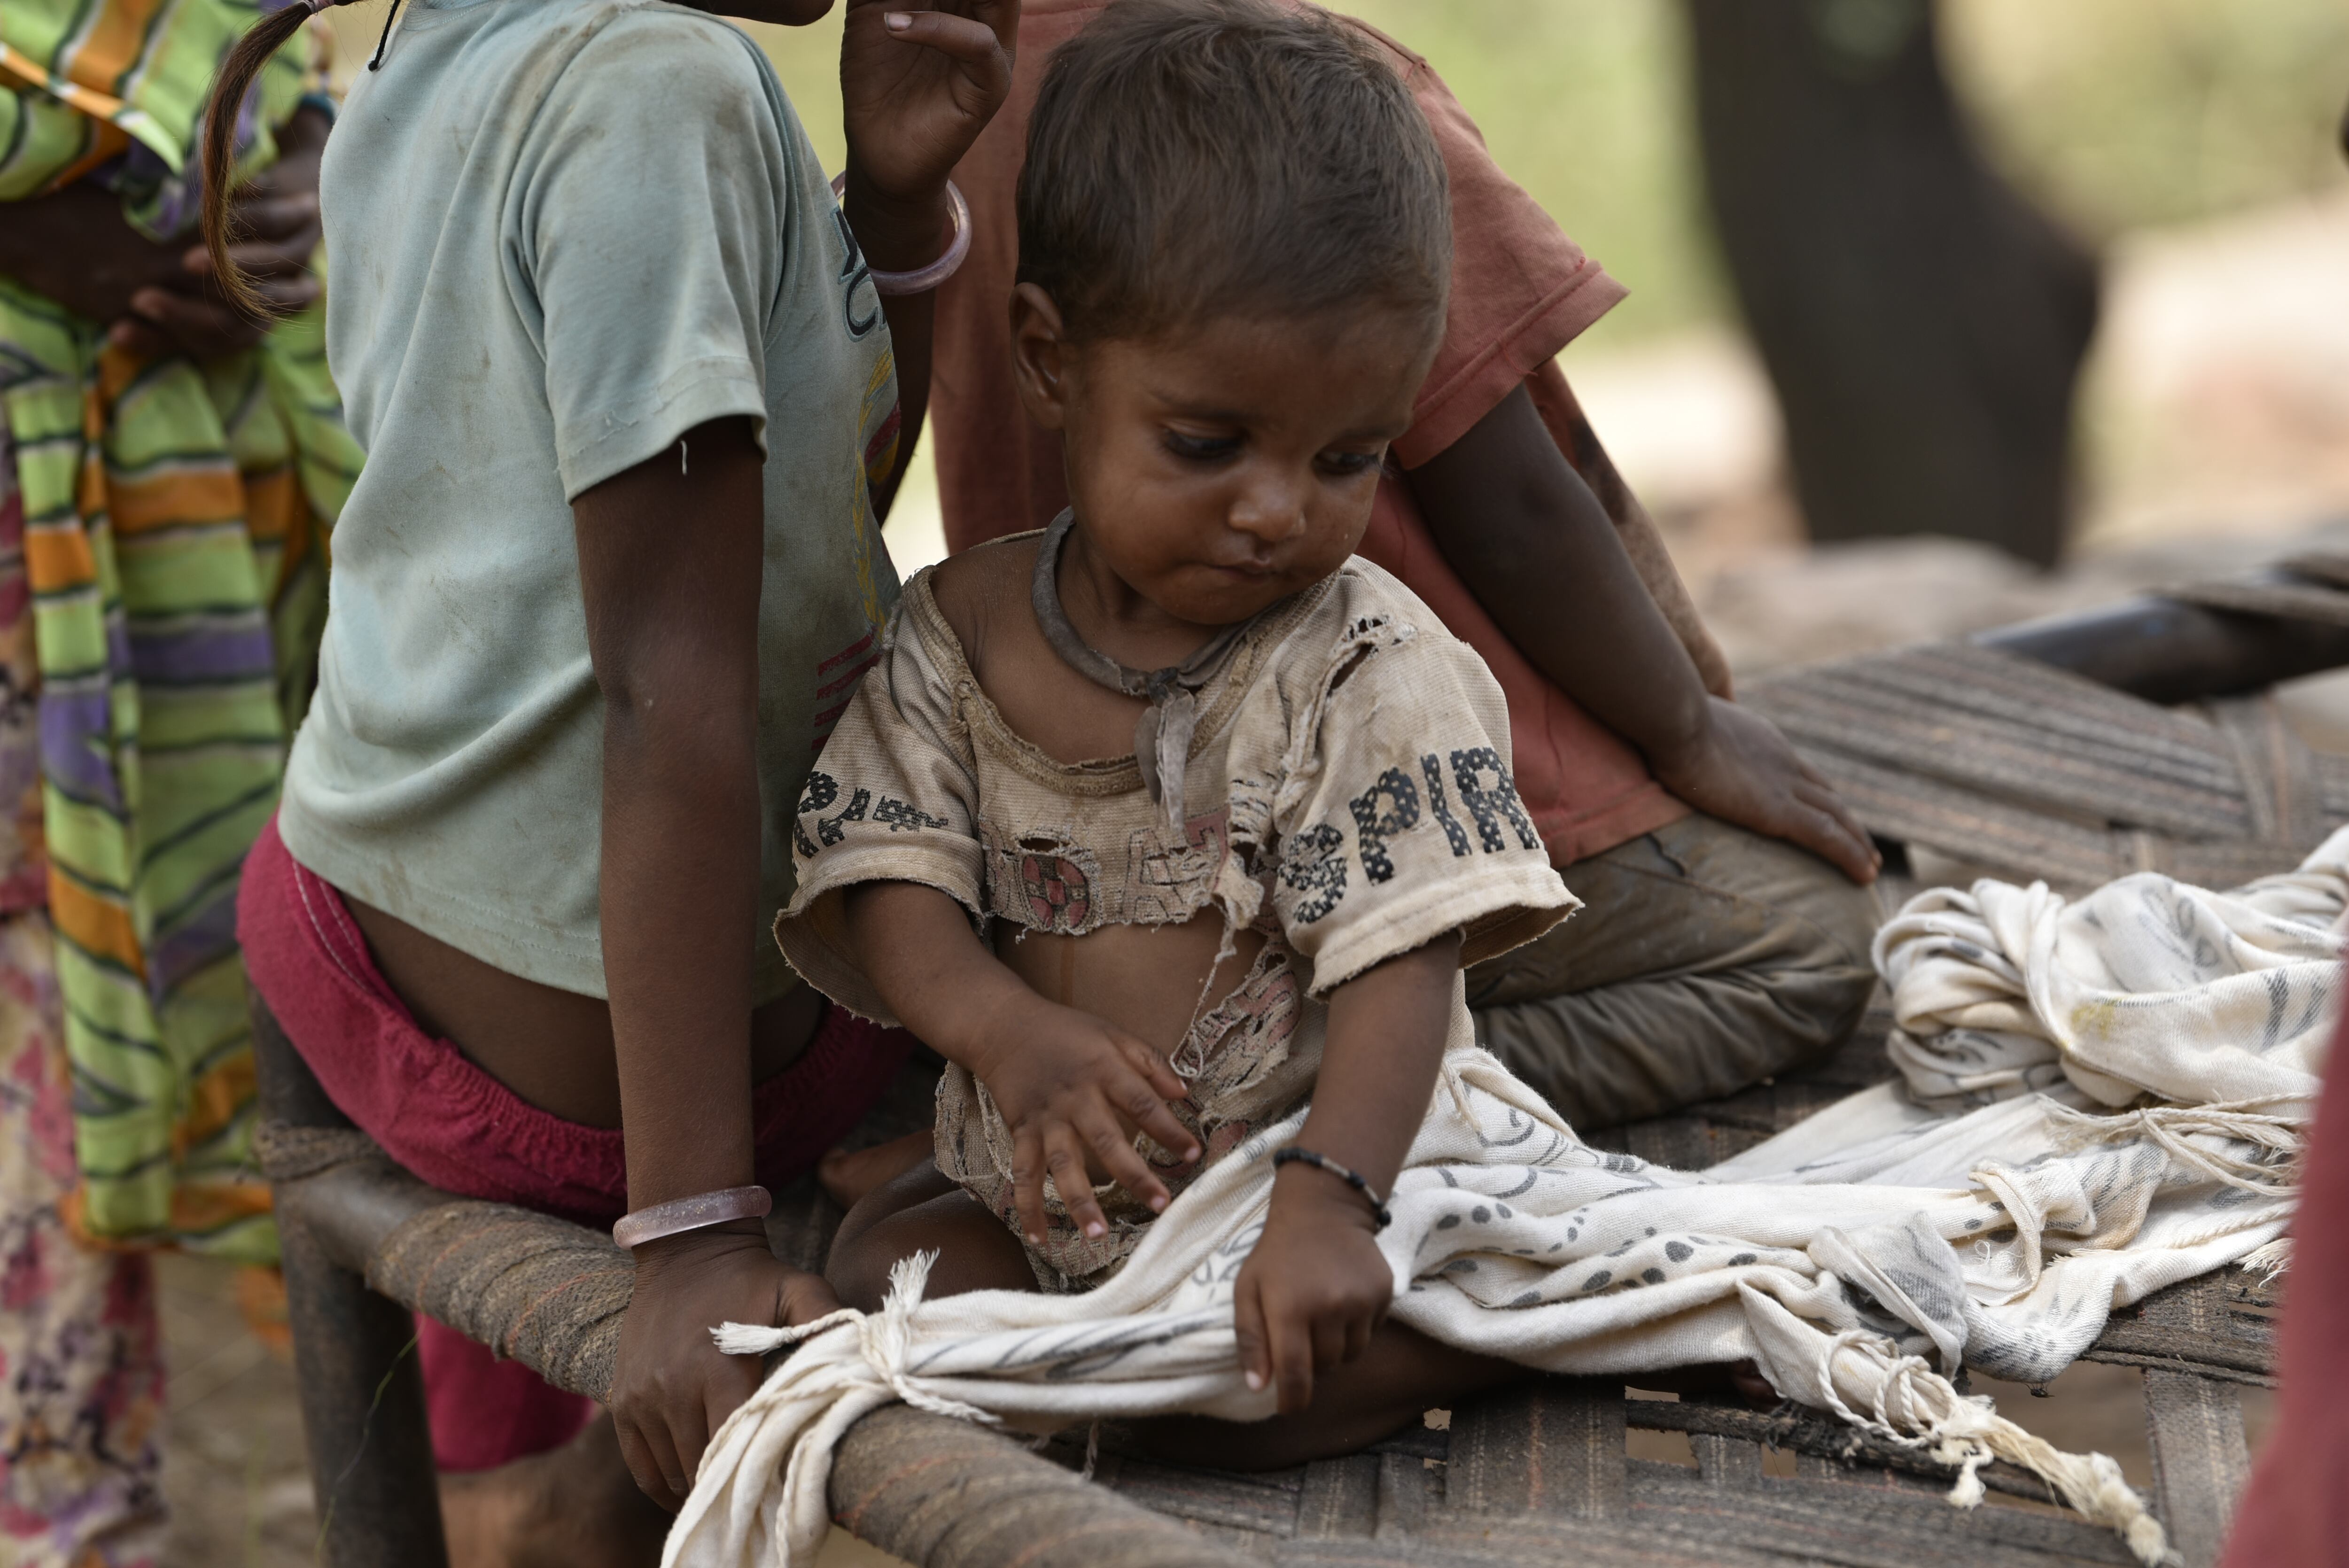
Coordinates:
(459, 1129)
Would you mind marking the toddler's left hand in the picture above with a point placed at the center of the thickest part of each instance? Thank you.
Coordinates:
(1743, 770)
(1313, 1290)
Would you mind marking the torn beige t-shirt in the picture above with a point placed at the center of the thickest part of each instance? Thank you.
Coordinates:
(1351, 799)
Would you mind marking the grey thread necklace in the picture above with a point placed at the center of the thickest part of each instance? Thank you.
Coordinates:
(1161, 736)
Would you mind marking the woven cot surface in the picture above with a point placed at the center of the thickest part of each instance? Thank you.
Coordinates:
(2033, 773)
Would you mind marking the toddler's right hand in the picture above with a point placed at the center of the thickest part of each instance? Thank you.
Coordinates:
(1069, 1084)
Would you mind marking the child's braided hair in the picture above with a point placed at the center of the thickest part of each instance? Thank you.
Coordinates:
(217, 155)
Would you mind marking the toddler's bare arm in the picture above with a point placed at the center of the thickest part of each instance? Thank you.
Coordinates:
(1317, 1284)
(1073, 1088)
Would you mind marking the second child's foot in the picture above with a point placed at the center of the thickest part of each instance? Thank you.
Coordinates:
(576, 1507)
(847, 1177)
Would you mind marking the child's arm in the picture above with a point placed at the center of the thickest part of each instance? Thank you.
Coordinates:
(1073, 1088)
(1315, 1285)
(1637, 532)
(898, 106)
(670, 556)
(1534, 546)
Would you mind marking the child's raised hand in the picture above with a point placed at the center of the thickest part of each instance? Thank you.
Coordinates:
(1314, 1288)
(1074, 1090)
(1741, 769)
(916, 87)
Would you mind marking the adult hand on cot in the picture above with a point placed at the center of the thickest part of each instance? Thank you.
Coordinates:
(669, 554)
(916, 87)
(1740, 768)
(671, 1387)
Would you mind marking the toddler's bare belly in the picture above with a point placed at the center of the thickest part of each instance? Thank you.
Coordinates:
(1146, 979)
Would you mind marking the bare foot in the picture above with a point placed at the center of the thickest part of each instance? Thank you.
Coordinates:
(576, 1507)
(847, 1177)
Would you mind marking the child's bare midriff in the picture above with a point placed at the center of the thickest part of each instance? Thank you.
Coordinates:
(1149, 980)
(554, 1049)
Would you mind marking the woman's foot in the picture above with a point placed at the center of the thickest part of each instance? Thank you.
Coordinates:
(848, 1176)
(575, 1507)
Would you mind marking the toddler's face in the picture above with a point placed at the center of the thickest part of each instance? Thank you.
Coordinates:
(1224, 466)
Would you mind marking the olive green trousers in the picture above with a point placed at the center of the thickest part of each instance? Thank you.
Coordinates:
(1705, 958)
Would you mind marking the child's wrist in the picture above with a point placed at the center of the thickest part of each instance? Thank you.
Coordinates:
(688, 1248)
(898, 233)
(1684, 744)
(991, 1024)
(1301, 1191)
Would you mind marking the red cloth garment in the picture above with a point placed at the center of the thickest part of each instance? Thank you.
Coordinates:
(1521, 290)
(2295, 1512)
(459, 1129)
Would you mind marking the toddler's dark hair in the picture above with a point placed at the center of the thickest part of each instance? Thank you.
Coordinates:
(1197, 157)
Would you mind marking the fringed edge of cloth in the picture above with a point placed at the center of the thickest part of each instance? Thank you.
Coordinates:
(1861, 1378)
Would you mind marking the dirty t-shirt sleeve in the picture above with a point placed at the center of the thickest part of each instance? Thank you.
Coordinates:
(646, 232)
(1400, 821)
(1521, 288)
(893, 798)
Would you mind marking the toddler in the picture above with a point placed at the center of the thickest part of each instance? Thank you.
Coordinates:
(1173, 817)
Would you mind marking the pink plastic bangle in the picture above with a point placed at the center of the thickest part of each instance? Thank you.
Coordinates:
(694, 1214)
(922, 280)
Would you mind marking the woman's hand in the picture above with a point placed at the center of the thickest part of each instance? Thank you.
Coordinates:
(916, 87)
(1314, 1287)
(75, 248)
(1074, 1090)
(1740, 768)
(671, 1387)
(278, 227)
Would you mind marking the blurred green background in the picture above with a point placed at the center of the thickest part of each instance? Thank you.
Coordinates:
(2114, 114)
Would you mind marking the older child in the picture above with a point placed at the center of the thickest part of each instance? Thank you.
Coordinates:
(627, 377)
(1168, 821)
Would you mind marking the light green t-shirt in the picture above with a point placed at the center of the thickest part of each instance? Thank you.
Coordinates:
(561, 233)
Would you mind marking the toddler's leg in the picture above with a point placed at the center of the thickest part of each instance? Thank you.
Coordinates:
(1400, 1377)
(1707, 958)
(922, 1211)
(850, 1176)
(577, 1505)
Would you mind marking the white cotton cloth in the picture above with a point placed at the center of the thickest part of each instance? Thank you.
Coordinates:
(1987, 1213)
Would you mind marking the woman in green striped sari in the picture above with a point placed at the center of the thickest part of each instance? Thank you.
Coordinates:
(169, 471)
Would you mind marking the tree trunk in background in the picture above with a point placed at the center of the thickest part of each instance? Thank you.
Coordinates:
(1923, 324)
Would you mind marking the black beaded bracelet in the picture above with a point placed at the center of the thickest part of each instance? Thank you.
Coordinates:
(1353, 1178)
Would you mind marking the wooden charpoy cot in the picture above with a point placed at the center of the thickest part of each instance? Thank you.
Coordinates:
(2137, 737)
